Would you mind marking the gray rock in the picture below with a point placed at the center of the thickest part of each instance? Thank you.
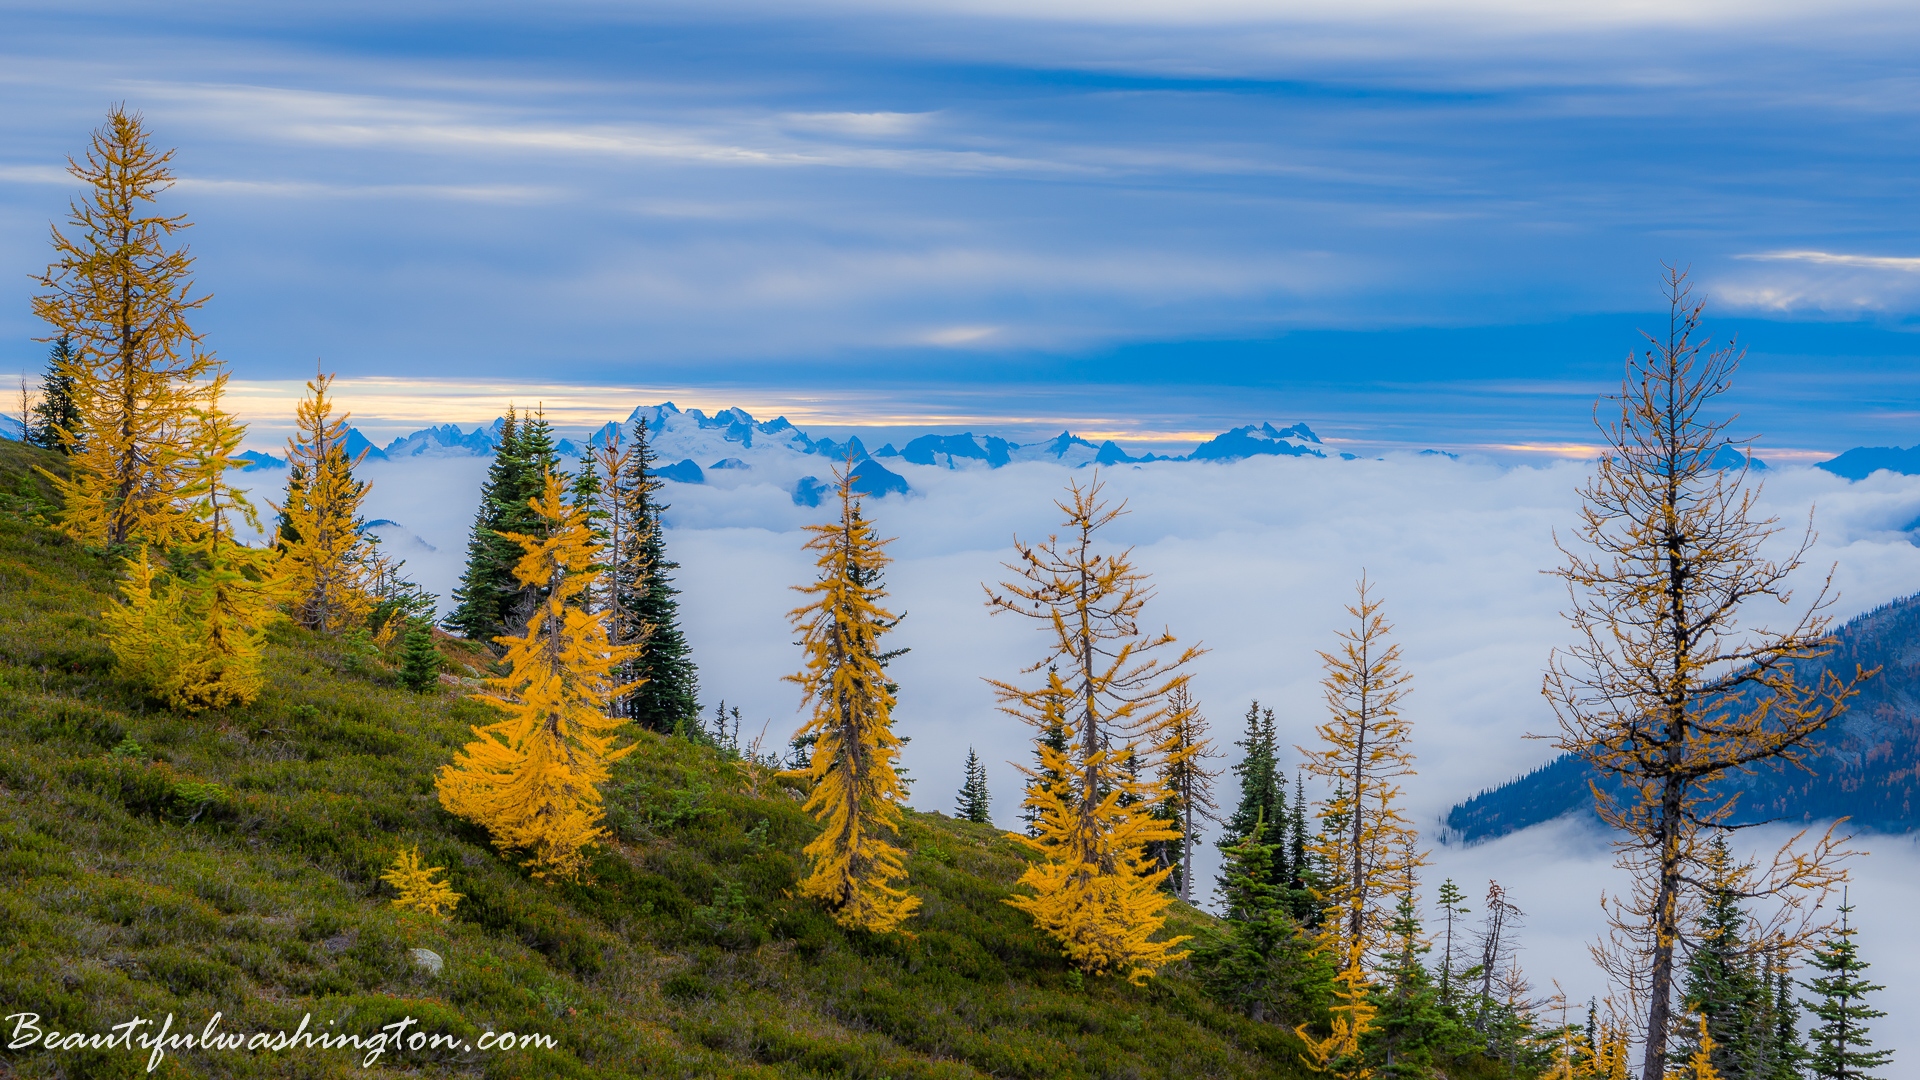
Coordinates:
(428, 961)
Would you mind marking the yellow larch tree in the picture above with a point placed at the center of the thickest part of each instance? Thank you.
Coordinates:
(193, 634)
(419, 890)
(1352, 1013)
(329, 567)
(1664, 693)
(1363, 751)
(532, 779)
(856, 791)
(1095, 888)
(121, 296)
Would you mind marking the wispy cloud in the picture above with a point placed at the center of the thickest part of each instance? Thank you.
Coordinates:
(1906, 263)
(959, 335)
(35, 174)
(864, 124)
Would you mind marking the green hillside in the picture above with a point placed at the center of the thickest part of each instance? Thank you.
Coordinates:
(152, 863)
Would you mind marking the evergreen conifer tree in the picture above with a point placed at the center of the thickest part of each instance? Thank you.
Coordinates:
(1051, 740)
(480, 600)
(56, 420)
(1839, 1040)
(668, 699)
(1304, 877)
(1262, 792)
(1452, 906)
(420, 662)
(1789, 1051)
(1721, 987)
(1260, 783)
(1412, 1024)
(1258, 962)
(533, 459)
(533, 778)
(971, 805)
(1183, 754)
(856, 793)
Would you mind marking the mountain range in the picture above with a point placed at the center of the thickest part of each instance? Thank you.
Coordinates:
(1865, 765)
(734, 445)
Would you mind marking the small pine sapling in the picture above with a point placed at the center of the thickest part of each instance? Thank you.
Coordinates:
(420, 662)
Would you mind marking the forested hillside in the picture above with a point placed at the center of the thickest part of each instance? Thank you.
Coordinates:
(163, 862)
(1865, 766)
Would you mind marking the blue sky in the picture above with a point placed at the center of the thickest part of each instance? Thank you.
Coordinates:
(1407, 224)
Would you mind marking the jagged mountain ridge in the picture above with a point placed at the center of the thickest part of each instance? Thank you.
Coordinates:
(1867, 764)
(693, 447)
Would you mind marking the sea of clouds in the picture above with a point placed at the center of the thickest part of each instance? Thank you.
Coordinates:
(1256, 560)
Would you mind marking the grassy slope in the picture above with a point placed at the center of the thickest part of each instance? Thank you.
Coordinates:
(232, 865)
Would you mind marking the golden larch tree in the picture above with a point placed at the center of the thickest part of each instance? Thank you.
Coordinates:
(532, 779)
(1095, 888)
(856, 791)
(1363, 750)
(120, 295)
(329, 567)
(193, 634)
(1664, 693)
(1351, 1018)
(419, 890)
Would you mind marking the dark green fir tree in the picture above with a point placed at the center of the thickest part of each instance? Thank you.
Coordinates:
(1303, 876)
(56, 419)
(1839, 1047)
(1722, 984)
(1788, 1061)
(1053, 737)
(1258, 962)
(487, 586)
(284, 534)
(533, 458)
(1412, 1026)
(971, 805)
(420, 662)
(1263, 795)
(1453, 941)
(668, 701)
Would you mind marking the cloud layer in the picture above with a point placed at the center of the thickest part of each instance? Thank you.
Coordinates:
(1256, 560)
